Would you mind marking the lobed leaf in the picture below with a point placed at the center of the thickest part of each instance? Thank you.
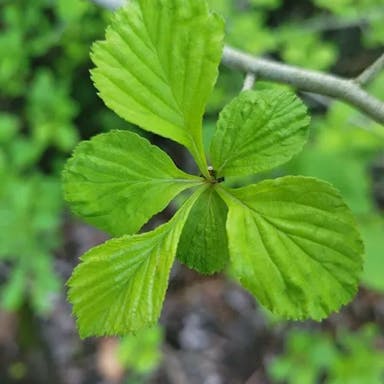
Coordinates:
(158, 65)
(203, 243)
(117, 181)
(294, 244)
(119, 286)
(257, 131)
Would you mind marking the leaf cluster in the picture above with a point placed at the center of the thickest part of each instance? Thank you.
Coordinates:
(292, 241)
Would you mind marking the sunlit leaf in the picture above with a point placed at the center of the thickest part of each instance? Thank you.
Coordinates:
(158, 65)
(117, 181)
(203, 243)
(294, 244)
(258, 131)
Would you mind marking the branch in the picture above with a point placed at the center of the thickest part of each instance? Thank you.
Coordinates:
(249, 81)
(347, 90)
(307, 80)
(371, 72)
(110, 4)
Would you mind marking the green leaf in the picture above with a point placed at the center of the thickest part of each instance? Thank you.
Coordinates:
(294, 244)
(158, 65)
(258, 131)
(117, 181)
(119, 286)
(203, 243)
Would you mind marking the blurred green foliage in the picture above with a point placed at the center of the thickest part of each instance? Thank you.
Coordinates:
(43, 45)
(140, 353)
(29, 207)
(312, 357)
(299, 32)
(50, 113)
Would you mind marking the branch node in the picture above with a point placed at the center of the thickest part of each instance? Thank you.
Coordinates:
(370, 73)
(249, 81)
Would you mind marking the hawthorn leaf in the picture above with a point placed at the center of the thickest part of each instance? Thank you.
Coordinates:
(257, 131)
(119, 286)
(203, 243)
(117, 181)
(294, 244)
(157, 67)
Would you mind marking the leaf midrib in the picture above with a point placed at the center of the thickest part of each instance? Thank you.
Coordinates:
(186, 131)
(164, 72)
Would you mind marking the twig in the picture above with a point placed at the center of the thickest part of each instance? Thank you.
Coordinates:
(371, 72)
(322, 100)
(249, 81)
(110, 4)
(347, 90)
(307, 80)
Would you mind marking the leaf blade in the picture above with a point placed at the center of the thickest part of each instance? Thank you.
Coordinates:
(117, 181)
(203, 242)
(158, 65)
(119, 286)
(301, 242)
(258, 131)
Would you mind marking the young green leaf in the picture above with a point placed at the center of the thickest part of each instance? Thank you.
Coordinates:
(119, 286)
(158, 65)
(294, 244)
(258, 131)
(117, 181)
(203, 243)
